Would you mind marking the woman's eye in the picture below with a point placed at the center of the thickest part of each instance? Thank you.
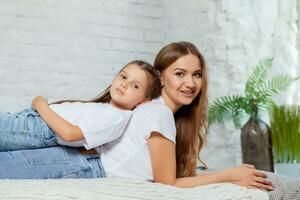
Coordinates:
(198, 75)
(136, 86)
(179, 74)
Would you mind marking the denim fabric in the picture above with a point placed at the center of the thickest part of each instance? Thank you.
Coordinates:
(24, 130)
(50, 163)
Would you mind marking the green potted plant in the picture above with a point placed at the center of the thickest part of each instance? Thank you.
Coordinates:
(285, 126)
(255, 134)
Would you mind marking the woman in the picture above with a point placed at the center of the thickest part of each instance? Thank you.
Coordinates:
(147, 148)
(184, 80)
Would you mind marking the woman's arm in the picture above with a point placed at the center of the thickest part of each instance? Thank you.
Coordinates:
(60, 126)
(163, 159)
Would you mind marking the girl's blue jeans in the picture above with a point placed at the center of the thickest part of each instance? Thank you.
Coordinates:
(50, 163)
(24, 130)
(28, 150)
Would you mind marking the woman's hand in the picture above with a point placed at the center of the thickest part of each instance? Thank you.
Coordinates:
(247, 176)
(38, 102)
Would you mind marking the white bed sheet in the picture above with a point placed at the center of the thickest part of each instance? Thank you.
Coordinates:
(108, 189)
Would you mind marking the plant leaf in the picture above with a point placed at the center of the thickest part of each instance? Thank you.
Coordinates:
(238, 116)
(276, 85)
(224, 108)
(257, 77)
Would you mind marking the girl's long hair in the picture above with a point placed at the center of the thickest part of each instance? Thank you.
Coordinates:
(190, 119)
(153, 89)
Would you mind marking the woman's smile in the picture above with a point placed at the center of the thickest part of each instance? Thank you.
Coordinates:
(187, 93)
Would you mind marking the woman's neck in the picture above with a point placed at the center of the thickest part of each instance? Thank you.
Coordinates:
(169, 102)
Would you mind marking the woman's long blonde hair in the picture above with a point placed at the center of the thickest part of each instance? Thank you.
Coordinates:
(153, 90)
(190, 119)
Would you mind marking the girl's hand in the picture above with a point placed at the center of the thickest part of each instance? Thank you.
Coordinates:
(38, 102)
(247, 176)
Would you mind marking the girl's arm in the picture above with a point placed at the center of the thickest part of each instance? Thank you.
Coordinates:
(60, 126)
(163, 159)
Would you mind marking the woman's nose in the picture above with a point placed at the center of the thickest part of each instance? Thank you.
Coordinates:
(189, 82)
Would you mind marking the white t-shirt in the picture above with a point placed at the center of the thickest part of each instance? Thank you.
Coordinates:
(128, 156)
(99, 122)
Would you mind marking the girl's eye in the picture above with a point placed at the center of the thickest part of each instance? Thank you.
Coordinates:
(123, 76)
(136, 86)
(179, 74)
(198, 75)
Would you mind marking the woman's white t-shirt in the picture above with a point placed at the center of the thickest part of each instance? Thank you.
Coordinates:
(128, 156)
(99, 122)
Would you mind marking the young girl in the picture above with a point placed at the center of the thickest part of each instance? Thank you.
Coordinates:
(81, 123)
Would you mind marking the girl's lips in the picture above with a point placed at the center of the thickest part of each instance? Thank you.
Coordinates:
(119, 91)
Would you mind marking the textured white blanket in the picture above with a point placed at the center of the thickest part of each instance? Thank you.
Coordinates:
(119, 189)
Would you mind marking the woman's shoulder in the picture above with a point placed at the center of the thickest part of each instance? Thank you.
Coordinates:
(154, 116)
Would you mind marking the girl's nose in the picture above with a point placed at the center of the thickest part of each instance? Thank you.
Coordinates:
(124, 85)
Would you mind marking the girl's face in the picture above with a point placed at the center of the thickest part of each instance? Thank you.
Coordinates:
(181, 81)
(128, 88)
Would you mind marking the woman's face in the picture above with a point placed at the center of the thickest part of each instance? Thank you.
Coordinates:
(181, 81)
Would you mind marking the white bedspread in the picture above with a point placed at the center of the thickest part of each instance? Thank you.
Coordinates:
(120, 189)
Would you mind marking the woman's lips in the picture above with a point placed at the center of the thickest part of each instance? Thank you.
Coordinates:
(187, 93)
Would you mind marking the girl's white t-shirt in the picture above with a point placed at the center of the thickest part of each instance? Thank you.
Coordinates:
(128, 156)
(99, 122)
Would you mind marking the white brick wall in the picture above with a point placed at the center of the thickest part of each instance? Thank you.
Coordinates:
(72, 48)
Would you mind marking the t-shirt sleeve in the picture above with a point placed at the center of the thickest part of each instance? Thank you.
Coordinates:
(98, 131)
(158, 118)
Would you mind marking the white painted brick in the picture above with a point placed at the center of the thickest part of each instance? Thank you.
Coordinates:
(30, 10)
(58, 40)
(6, 8)
(145, 10)
(147, 2)
(114, 31)
(29, 2)
(127, 45)
(154, 35)
(6, 21)
(76, 4)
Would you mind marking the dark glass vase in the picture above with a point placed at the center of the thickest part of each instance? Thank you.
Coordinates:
(256, 144)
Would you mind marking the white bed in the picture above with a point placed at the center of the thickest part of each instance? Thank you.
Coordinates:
(120, 189)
